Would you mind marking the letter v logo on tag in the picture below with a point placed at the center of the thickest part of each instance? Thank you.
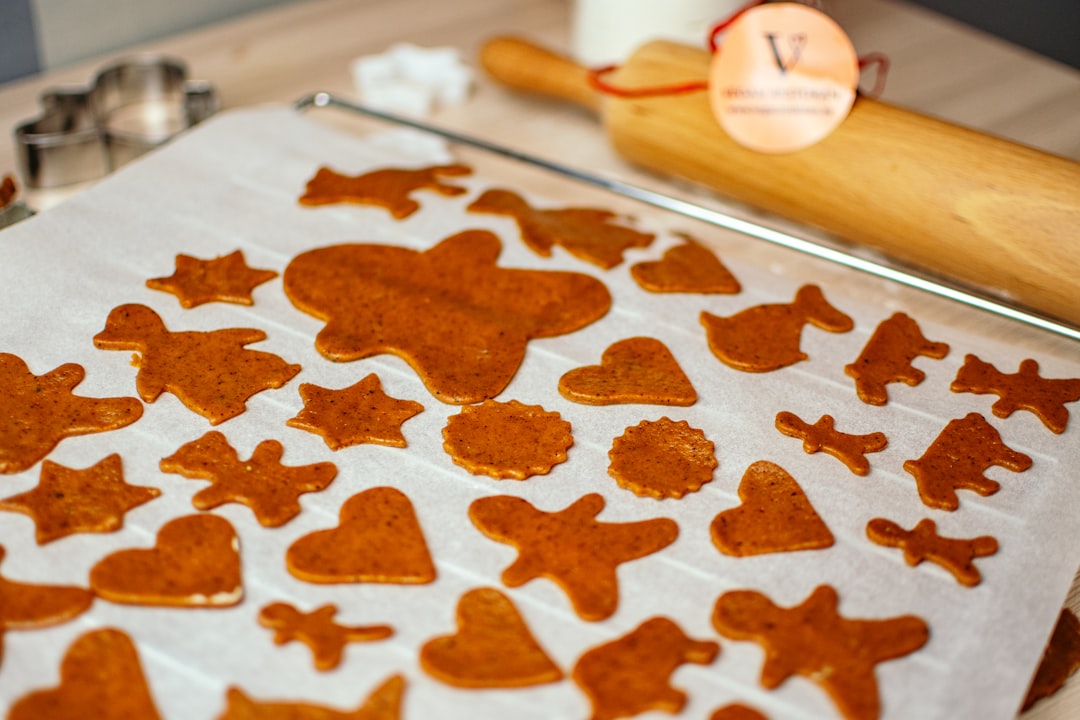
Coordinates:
(795, 44)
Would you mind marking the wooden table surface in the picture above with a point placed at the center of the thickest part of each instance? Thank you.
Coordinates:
(939, 67)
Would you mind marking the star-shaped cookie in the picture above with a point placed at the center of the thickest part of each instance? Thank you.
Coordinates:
(360, 413)
(815, 641)
(68, 501)
(41, 410)
(270, 489)
(226, 278)
(570, 546)
(459, 320)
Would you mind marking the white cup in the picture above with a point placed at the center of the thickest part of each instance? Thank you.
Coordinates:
(607, 31)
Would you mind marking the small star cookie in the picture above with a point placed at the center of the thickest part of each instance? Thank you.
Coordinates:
(586, 233)
(68, 501)
(388, 188)
(270, 489)
(492, 648)
(384, 703)
(508, 440)
(632, 675)
(687, 268)
(378, 539)
(227, 278)
(662, 459)
(636, 370)
(1023, 390)
(570, 546)
(823, 435)
(195, 562)
(318, 631)
(41, 410)
(360, 413)
(212, 373)
(815, 641)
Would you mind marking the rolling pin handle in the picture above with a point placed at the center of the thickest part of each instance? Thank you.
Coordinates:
(525, 66)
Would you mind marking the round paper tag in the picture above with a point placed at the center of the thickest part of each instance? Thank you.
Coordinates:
(783, 79)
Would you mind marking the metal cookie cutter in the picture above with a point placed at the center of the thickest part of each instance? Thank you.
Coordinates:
(133, 106)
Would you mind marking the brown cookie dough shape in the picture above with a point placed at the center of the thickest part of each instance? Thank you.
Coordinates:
(507, 440)
(211, 373)
(378, 539)
(226, 278)
(767, 337)
(40, 411)
(923, 543)
(194, 563)
(662, 459)
(492, 648)
(775, 516)
(384, 703)
(388, 188)
(459, 320)
(318, 631)
(68, 501)
(957, 459)
(632, 674)
(360, 413)
(823, 436)
(24, 606)
(570, 546)
(635, 370)
(687, 268)
(1060, 659)
(737, 711)
(815, 641)
(270, 489)
(100, 678)
(1023, 390)
(887, 356)
(586, 233)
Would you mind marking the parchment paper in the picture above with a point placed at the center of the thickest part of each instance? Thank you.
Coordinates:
(233, 183)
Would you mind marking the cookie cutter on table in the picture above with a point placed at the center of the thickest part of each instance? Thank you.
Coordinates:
(978, 298)
(133, 106)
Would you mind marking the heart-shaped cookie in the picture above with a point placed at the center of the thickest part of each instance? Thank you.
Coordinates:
(687, 268)
(378, 539)
(194, 563)
(100, 677)
(636, 370)
(776, 516)
(493, 647)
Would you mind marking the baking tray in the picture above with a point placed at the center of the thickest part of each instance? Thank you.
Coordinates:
(233, 183)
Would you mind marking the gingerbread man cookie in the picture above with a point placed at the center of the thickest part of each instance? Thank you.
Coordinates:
(378, 539)
(41, 410)
(360, 413)
(887, 357)
(923, 543)
(586, 233)
(318, 631)
(458, 319)
(492, 648)
(636, 370)
(687, 268)
(194, 563)
(632, 674)
(570, 546)
(662, 459)
(775, 516)
(507, 440)
(68, 501)
(1023, 390)
(227, 278)
(270, 489)
(767, 337)
(388, 188)
(957, 459)
(815, 641)
(384, 703)
(212, 373)
(823, 435)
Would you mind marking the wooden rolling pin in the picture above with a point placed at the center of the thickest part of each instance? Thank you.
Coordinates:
(976, 208)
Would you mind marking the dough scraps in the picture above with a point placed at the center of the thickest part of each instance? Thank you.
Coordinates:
(570, 546)
(1060, 659)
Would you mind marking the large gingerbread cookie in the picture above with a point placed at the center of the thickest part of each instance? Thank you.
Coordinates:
(458, 319)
